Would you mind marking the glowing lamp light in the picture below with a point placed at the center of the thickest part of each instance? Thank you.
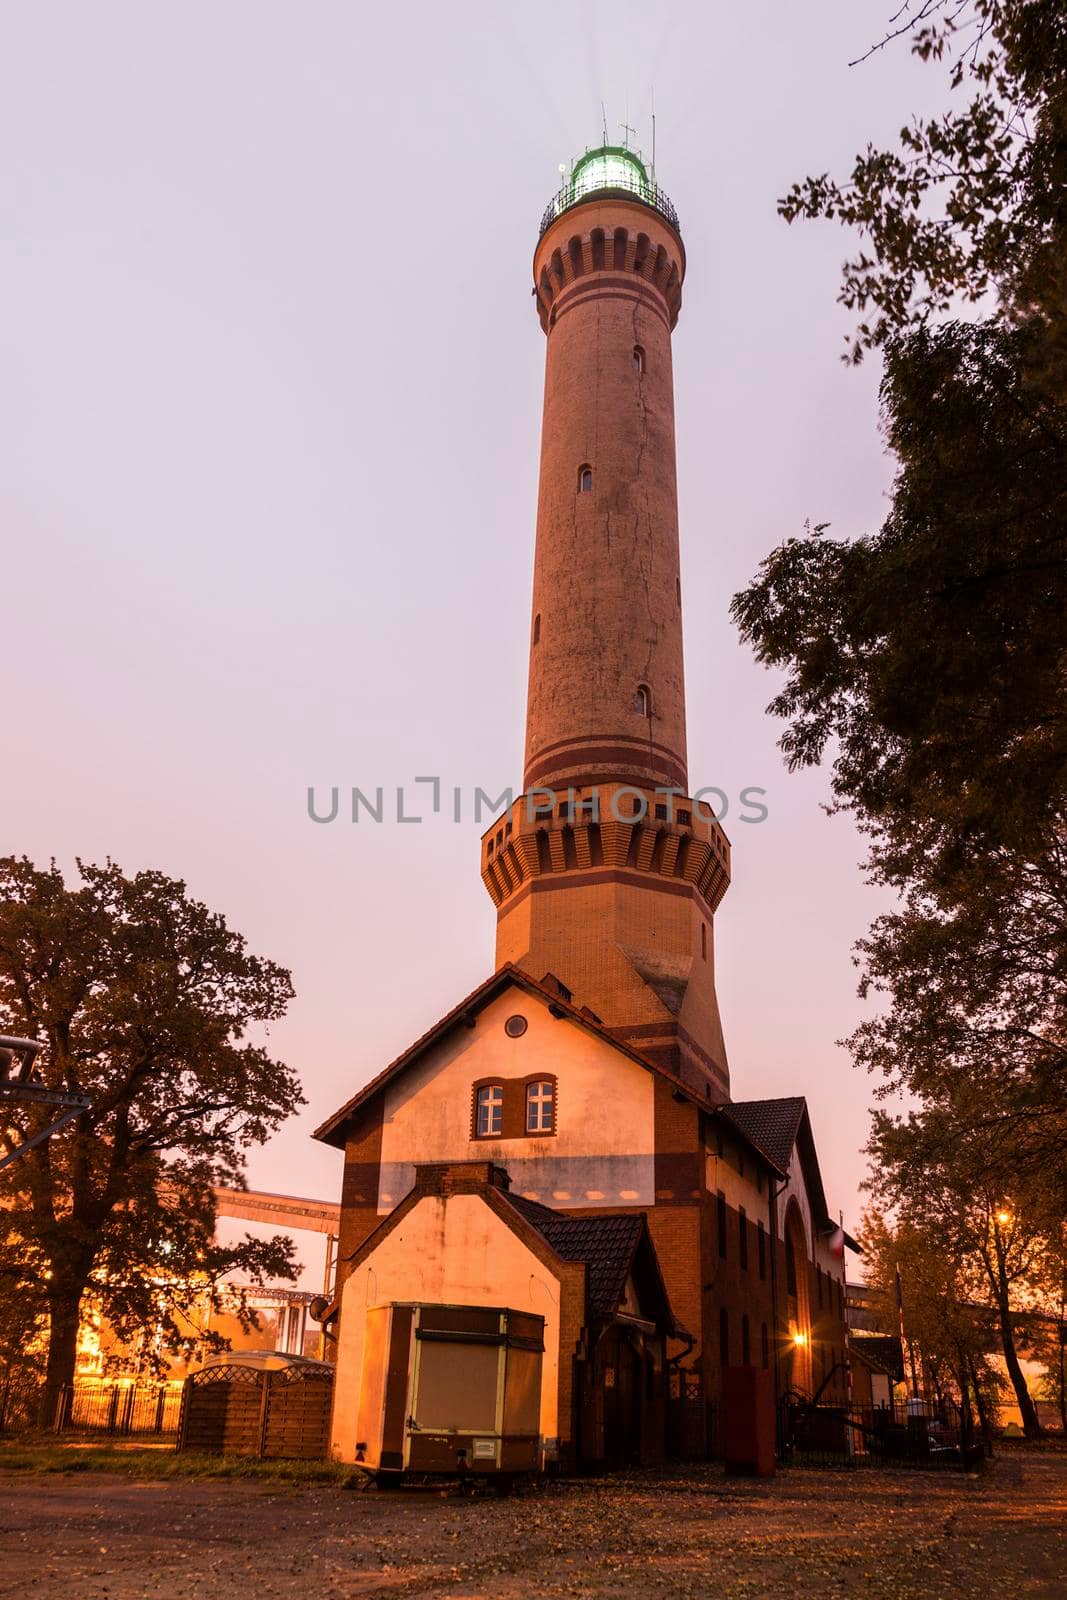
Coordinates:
(800, 1339)
(611, 167)
(1003, 1217)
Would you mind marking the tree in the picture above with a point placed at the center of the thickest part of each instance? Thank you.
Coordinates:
(997, 1228)
(932, 653)
(931, 656)
(971, 201)
(974, 1024)
(949, 1335)
(144, 999)
(1049, 1337)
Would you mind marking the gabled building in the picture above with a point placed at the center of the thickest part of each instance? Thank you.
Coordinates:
(591, 1066)
(591, 1135)
(462, 1238)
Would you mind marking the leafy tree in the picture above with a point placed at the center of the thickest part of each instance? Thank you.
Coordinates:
(932, 657)
(1049, 1345)
(975, 1022)
(932, 654)
(143, 998)
(929, 659)
(950, 1336)
(997, 1228)
(972, 201)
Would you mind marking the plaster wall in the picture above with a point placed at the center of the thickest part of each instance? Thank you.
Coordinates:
(448, 1250)
(817, 1244)
(601, 1153)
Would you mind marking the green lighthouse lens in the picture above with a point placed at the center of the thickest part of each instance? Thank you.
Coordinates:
(611, 167)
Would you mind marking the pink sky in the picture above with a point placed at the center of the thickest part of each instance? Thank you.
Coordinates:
(270, 398)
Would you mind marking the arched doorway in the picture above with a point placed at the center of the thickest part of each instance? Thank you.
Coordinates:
(798, 1368)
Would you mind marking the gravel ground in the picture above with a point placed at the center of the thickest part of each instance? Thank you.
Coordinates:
(888, 1535)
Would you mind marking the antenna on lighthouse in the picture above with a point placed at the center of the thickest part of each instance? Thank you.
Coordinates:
(604, 121)
(653, 93)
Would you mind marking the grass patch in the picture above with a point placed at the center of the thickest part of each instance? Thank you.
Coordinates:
(153, 1462)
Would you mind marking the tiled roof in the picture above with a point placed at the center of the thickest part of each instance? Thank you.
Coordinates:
(770, 1124)
(777, 1127)
(534, 1212)
(607, 1245)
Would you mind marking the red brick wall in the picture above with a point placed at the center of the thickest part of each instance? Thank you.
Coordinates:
(606, 582)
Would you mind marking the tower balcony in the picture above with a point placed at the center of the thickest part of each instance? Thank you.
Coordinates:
(608, 830)
(612, 171)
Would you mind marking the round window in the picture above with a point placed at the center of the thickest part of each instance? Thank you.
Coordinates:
(515, 1027)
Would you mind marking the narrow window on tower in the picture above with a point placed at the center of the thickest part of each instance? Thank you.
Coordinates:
(643, 700)
(585, 478)
(638, 359)
(703, 941)
(537, 629)
(746, 1343)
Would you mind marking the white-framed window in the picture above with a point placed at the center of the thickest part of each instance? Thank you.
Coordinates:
(540, 1107)
(490, 1108)
(585, 478)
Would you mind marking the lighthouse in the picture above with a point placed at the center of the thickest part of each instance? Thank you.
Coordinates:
(561, 1149)
(606, 873)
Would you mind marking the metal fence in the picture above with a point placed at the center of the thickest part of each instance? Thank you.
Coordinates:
(912, 1434)
(20, 1400)
(119, 1408)
(91, 1406)
(642, 189)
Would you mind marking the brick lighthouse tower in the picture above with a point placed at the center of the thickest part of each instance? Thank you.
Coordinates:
(605, 873)
(562, 1143)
